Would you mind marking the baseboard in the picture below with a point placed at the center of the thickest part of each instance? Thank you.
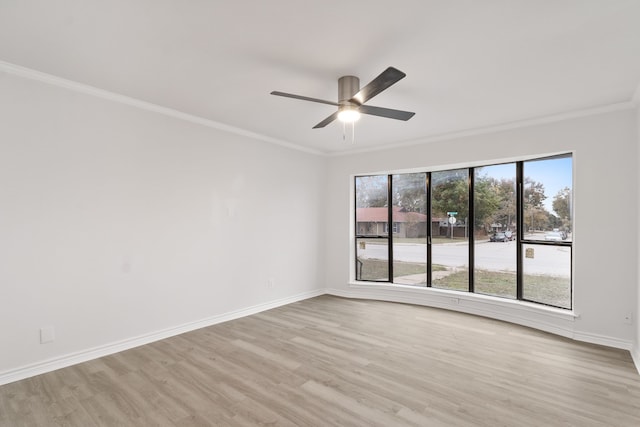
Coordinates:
(105, 350)
(604, 340)
(635, 355)
(559, 324)
(549, 320)
(541, 318)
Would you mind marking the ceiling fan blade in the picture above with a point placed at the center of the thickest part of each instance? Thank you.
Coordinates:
(304, 98)
(326, 121)
(386, 112)
(387, 78)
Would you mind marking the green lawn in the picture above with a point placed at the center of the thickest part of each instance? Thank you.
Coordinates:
(375, 269)
(541, 288)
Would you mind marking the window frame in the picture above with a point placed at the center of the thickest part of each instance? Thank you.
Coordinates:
(388, 237)
(521, 239)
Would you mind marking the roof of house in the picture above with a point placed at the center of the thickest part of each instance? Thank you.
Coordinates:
(380, 215)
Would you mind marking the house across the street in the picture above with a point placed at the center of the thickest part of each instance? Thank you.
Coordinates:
(373, 222)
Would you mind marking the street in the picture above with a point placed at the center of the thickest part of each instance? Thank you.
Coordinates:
(494, 256)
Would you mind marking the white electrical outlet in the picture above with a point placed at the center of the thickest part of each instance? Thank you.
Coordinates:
(47, 334)
(271, 283)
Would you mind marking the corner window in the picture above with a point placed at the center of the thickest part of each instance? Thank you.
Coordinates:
(503, 230)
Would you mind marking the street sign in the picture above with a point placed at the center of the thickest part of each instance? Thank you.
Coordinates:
(452, 213)
(452, 220)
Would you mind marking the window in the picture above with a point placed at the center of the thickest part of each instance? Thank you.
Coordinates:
(495, 230)
(547, 219)
(372, 218)
(395, 230)
(503, 230)
(409, 212)
(450, 239)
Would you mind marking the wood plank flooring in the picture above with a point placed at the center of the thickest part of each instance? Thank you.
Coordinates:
(329, 361)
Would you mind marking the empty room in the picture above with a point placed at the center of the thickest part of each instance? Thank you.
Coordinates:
(337, 213)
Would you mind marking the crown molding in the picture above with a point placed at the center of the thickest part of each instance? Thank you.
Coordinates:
(50, 79)
(628, 105)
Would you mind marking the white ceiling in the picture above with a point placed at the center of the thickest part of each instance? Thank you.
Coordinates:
(469, 64)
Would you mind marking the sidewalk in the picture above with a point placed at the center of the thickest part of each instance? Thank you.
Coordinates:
(420, 279)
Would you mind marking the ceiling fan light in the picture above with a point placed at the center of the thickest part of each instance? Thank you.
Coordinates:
(348, 115)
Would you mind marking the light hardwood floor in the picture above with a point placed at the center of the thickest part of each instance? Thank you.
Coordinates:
(330, 361)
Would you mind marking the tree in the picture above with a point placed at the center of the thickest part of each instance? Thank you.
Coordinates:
(553, 221)
(371, 191)
(410, 192)
(487, 200)
(535, 214)
(495, 202)
(450, 194)
(536, 218)
(562, 204)
(506, 213)
(533, 193)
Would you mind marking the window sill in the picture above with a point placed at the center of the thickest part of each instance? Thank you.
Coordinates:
(484, 305)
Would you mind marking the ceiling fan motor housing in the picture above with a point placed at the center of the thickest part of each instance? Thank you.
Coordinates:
(348, 86)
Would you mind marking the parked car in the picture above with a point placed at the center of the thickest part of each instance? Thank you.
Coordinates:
(499, 237)
(563, 233)
(554, 236)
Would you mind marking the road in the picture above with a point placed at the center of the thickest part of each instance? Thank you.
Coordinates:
(494, 256)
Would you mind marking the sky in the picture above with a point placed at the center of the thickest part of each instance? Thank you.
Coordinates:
(554, 174)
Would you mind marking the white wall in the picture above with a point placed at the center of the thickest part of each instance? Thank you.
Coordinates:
(117, 223)
(605, 194)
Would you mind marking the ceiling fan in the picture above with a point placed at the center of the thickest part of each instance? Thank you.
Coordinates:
(351, 98)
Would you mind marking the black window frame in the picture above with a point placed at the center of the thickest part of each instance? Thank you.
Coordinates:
(387, 237)
(521, 239)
